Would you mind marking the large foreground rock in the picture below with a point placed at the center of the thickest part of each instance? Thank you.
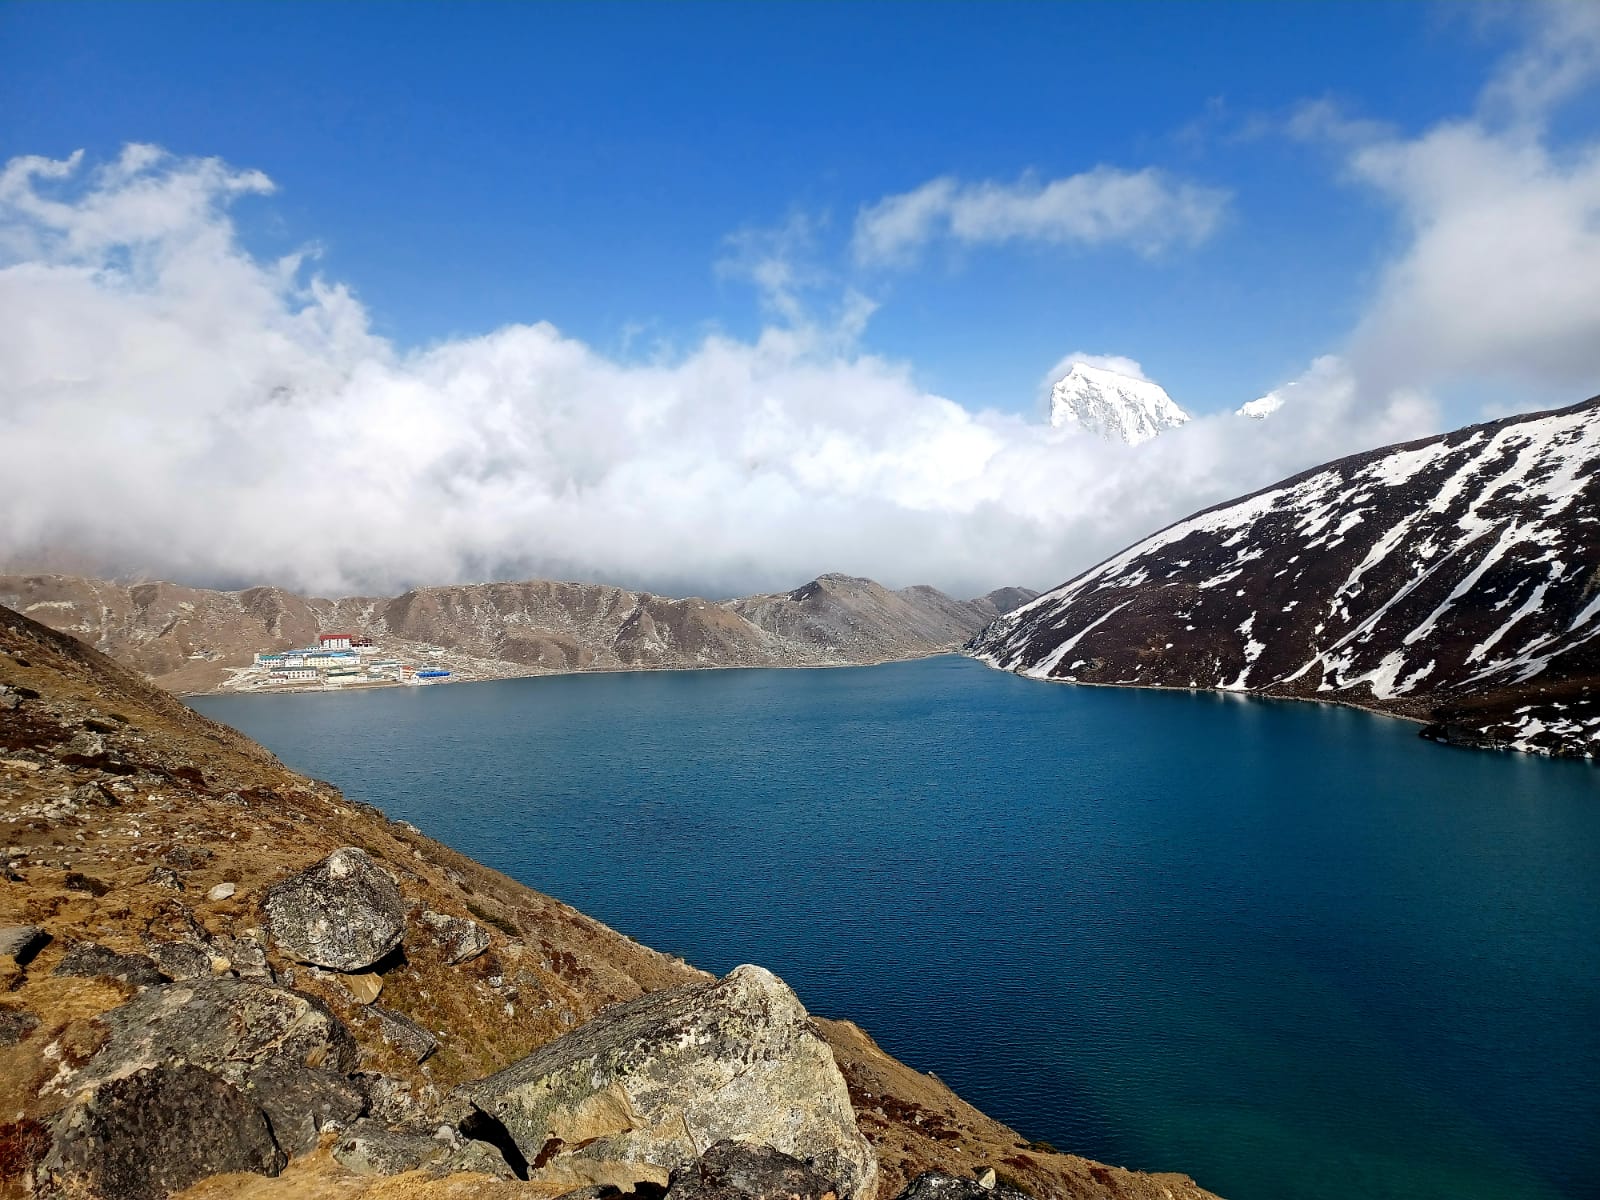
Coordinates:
(344, 913)
(155, 1132)
(640, 1090)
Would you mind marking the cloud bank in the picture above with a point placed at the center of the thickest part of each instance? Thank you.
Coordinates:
(173, 406)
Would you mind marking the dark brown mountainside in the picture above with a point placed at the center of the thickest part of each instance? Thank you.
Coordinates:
(195, 640)
(1454, 579)
(177, 998)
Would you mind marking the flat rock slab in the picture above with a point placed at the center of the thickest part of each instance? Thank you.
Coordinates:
(344, 913)
(157, 1131)
(368, 1148)
(634, 1094)
(219, 1023)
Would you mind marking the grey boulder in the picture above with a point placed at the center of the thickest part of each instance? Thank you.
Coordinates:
(226, 1024)
(155, 1132)
(300, 1101)
(635, 1093)
(458, 939)
(743, 1171)
(344, 913)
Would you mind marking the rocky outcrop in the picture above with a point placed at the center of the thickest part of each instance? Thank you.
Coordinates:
(344, 913)
(1455, 579)
(643, 1088)
(194, 640)
(230, 1025)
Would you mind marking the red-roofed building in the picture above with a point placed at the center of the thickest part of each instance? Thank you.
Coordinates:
(334, 641)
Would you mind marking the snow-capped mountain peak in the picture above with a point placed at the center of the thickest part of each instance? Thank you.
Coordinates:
(1262, 407)
(1117, 407)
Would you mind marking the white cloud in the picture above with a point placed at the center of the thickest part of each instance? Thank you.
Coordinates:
(1498, 278)
(1145, 209)
(174, 406)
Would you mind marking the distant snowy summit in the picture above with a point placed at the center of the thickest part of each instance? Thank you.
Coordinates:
(1117, 407)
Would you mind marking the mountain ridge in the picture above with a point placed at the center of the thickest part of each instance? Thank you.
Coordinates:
(1452, 579)
(195, 640)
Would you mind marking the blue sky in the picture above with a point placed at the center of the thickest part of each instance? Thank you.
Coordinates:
(467, 166)
(718, 297)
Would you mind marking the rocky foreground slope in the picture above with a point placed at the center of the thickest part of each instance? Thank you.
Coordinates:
(220, 978)
(1454, 579)
(192, 640)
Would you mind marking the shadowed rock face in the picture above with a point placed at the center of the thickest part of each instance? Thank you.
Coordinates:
(1455, 579)
(643, 1087)
(743, 1171)
(344, 912)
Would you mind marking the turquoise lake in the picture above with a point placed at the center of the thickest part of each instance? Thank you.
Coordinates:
(1289, 949)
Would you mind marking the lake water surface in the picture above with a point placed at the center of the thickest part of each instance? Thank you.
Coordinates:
(1292, 950)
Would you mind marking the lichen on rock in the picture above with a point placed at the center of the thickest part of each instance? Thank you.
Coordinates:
(344, 912)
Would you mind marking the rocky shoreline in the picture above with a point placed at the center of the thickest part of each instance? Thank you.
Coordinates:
(220, 978)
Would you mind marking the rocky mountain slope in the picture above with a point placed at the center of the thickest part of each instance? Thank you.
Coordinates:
(192, 639)
(1117, 407)
(220, 978)
(1454, 579)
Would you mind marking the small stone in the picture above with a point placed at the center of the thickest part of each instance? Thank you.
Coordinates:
(987, 1179)
(221, 892)
(458, 939)
(365, 987)
(165, 877)
(22, 942)
(76, 881)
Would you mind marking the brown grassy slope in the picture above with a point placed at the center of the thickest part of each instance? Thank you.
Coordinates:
(103, 777)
